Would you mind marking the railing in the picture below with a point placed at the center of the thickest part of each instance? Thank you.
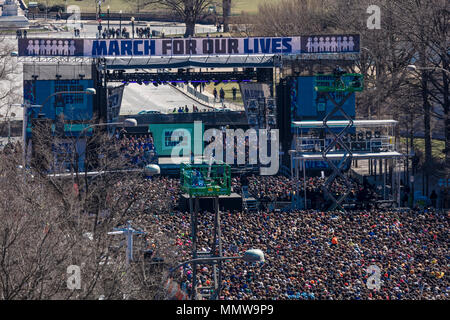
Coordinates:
(195, 93)
(35, 16)
(374, 145)
(285, 171)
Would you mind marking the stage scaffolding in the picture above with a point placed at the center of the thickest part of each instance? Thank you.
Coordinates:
(379, 146)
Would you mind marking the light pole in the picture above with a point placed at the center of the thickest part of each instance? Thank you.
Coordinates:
(251, 256)
(132, 25)
(120, 23)
(99, 19)
(128, 232)
(109, 35)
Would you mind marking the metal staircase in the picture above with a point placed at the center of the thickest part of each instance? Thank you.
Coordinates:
(249, 203)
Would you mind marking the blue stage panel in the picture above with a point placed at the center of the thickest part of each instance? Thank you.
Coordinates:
(310, 105)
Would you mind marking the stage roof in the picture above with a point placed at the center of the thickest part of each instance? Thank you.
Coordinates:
(356, 155)
(212, 61)
(344, 123)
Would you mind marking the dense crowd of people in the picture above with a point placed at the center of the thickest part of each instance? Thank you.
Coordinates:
(280, 188)
(158, 195)
(124, 33)
(139, 150)
(309, 255)
(322, 255)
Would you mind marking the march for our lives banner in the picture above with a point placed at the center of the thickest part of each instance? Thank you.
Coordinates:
(315, 44)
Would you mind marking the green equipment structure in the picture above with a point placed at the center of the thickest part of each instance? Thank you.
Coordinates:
(206, 181)
(348, 82)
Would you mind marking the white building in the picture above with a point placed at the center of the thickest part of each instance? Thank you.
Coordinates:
(10, 18)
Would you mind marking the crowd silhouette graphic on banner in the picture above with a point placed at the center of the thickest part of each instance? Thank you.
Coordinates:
(51, 47)
(330, 44)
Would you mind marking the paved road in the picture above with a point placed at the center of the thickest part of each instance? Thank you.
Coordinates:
(90, 30)
(162, 98)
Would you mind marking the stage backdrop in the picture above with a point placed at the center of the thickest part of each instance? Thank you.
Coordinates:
(162, 134)
(308, 103)
(76, 107)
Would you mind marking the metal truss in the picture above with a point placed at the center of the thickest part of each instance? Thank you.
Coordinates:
(347, 157)
(55, 59)
(159, 77)
(213, 292)
(323, 57)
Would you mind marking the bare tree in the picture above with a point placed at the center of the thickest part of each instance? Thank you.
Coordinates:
(290, 17)
(51, 222)
(10, 74)
(189, 11)
(226, 6)
(423, 25)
